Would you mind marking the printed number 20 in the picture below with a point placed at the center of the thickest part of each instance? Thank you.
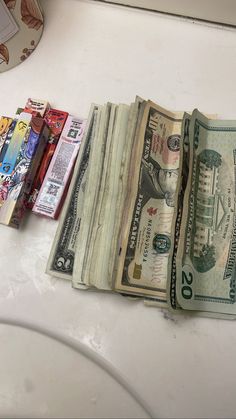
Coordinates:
(186, 290)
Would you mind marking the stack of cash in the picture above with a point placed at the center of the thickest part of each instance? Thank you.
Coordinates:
(150, 211)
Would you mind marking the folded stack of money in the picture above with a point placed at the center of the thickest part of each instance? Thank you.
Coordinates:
(150, 212)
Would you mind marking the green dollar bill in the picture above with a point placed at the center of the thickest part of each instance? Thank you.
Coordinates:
(61, 260)
(94, 274)
(206, 255)
(179, 201)
(144, 255)
(110, 195)
(84, 240)
(125, 184)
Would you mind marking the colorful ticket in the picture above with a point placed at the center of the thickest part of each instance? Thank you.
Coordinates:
(55, 120)
(37, 106)
(52, 192)
(5, 124)
(8, 139)
(18, 185)
(17, 139)
(9, 135)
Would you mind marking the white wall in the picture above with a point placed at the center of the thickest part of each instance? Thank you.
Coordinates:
(212, 10)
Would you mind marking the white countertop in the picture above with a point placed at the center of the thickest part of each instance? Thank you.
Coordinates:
(175, 366)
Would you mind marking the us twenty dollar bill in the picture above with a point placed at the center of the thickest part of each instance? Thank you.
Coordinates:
(61, 260)
(205, 263)
(144, 254)
(177, 217)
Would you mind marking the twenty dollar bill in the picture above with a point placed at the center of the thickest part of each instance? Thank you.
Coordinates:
(206, 253)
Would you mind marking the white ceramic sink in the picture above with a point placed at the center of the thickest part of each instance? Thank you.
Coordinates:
(43, 376)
